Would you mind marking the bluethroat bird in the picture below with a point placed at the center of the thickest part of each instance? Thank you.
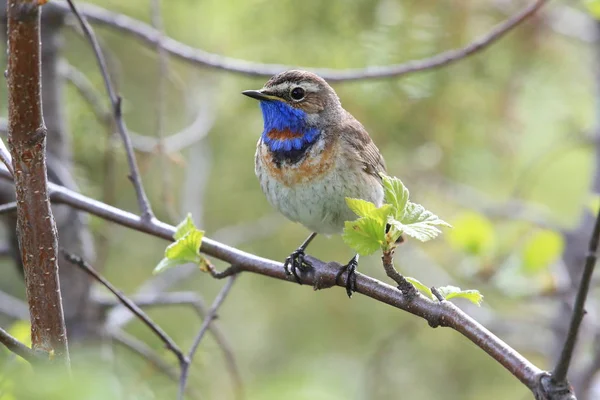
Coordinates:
(312, 154)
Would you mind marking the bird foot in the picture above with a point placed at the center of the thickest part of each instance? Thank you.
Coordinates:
(295, 262)
(351, 279)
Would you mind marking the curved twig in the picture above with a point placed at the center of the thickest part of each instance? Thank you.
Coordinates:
(151, 37)
(19, 348)
(562, 366)
(115, 101)
(210, 316)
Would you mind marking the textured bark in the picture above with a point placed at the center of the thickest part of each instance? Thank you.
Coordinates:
(36, 228)
(83, 317)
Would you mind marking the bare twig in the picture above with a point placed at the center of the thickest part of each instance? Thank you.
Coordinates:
(182, 298)
(36, 228)
(141, 348)
(115, 101)
(152, 300)
(89, 93)
(19, 348)
(190, 54)
(562, 366)
(169, 343)
(5, 156)
(8, 207)
(212, 314)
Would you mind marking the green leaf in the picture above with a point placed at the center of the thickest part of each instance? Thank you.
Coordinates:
(365, 235)
(187, 248)
(541, 250)
(419, 223)
(473, 233)
(166, 263)
(361, 208)
(450, 292)
(184, 227)
(396, 194)
(420, 286)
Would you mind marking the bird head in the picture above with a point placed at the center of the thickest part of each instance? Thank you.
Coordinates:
(296, 106)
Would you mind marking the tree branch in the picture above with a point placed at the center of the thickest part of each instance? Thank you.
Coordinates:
(169, 343)
(151, 37)
(27, 140)
(19, 348)
(323, 275)
(562, 366)
(210, 316)
(115, 101)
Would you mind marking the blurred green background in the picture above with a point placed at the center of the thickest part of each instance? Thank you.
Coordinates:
(508, 126)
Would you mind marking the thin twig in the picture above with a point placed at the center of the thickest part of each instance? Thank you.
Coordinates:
(8, 207)
(212, 313)
(5, 156)
(182, 298)
(19, 348)
(150, 36)
(562, 366)
(137, 346)
(115, 100)
(404, 286)
(169, 343)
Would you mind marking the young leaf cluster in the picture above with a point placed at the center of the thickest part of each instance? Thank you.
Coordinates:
(380, 227)
(185, 249)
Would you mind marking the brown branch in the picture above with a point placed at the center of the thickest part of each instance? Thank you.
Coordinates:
(169, 343)
(116, 101)
(36, 228)
(323, 275)
(151, 36)
(210, 316)
(562, 366)
(19, 348)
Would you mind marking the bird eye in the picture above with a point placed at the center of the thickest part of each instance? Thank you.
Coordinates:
(297, 93)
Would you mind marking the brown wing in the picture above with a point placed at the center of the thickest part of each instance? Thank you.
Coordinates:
(360, 142)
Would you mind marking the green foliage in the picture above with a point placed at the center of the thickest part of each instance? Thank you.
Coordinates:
(421, 287)
(185, 249)
(367, 234)
(450, 292)
(473, 233)
(541, 250)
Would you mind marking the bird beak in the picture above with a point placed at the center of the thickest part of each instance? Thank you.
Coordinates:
(259, 95)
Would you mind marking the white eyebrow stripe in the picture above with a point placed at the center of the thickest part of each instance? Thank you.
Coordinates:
(285, 86)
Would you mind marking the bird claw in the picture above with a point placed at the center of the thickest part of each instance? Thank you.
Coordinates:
(351, 280)
(295, 262)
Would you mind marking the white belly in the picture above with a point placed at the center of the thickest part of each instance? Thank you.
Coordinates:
(318, 203)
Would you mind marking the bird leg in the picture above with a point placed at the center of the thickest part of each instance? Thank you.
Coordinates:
(351, 279)
(296, 261)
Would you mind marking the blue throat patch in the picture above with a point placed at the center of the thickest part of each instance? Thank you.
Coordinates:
(279, 116)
